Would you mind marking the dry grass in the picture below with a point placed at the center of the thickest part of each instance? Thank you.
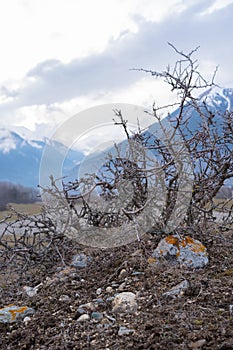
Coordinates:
(227, 203)
(30, 209)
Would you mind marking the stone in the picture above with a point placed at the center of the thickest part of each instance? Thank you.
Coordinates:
(80, 311)
(122, 286)
(84, 317)
(178, 290)
(124, 330)
(27, 319)
(32, 291)
(122, 274)
(89, 306)
(64, 298)
(109, 289)
(98, 301)
(231, 309)
(97, 316)
(187, 251)
(110, 318)
(125, 302)
(81, 261)
(197, 344)
(99, 291)
(13, 313)
(137, 273)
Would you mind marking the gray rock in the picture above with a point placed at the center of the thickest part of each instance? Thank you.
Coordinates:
(98, 301)
(80, 311)
(136, 273)
(32, 291)
(187, 251)
(178, 290)
(97, 316)
(80, 261)
(14, 313)
(64, 298)
(124, 331)
(123, 274)
(125, 302)
(88, 306)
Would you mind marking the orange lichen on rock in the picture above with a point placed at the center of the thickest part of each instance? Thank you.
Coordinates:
(187, 240)
(195, 246)
(15, 312)
(172, 240)
(151, 260)
(186, 251)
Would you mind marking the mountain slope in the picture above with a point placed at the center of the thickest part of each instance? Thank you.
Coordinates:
(20, 158)
(216, 100)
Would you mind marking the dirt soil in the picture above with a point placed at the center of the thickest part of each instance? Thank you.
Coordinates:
(201, 318)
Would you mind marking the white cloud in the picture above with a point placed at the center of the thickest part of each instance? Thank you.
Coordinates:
(217, 5)
(65, 57)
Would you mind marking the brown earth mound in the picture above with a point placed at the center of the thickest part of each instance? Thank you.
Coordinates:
(199, 318)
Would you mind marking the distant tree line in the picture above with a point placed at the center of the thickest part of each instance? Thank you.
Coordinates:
(14, 193)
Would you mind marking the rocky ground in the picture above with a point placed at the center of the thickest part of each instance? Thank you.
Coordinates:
(82, 306)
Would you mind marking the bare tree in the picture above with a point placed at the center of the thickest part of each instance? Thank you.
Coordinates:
(143, 163)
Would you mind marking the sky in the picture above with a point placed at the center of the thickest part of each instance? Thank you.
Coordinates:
(60, 57)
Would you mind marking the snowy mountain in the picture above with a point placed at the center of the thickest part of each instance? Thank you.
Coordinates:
(216, 100)
(20, 158)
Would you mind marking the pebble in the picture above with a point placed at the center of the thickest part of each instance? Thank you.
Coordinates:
(27, 319)
(80, 311)
(99, 291)
(98, 302)
(137, 273)
(122, 286)
(124, 330)
(32, 291)
(81, 261)
(122, 274)
(97, 316)
(109, 289)
(84, 317)
(197, 344)
(64, 298)
(89, 306)
(178, 290)
(125, 302)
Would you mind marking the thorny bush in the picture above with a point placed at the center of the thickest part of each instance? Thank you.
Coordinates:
(210, 149)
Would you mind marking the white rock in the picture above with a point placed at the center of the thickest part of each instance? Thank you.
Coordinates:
(84, 317)
(99, 291)
(124, 331)
(32, 291)
(64, 298)
(89, 306)
(123, 274)
(81, 260)
(109, 289)
(125, 302)
(27, 319)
